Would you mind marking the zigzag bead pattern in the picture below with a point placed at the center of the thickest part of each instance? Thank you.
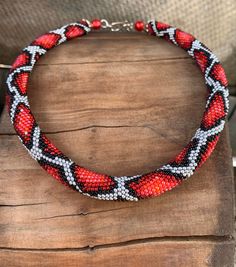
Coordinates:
(101, 186)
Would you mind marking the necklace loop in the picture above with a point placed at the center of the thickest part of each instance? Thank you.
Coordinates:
(104, 186)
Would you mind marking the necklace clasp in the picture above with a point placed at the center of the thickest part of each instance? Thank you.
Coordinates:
(117, 25)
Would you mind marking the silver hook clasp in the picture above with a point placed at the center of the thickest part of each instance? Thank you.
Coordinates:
(117, 25)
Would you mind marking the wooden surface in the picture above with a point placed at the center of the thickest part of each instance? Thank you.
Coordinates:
(120, 104)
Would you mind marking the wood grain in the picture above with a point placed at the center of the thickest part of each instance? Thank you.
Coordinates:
(161, 253)
(120, 104)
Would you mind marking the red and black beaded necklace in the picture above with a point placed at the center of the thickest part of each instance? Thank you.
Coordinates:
(102, 186)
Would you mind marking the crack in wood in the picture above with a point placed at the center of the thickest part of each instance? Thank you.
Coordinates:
(21, 205)
(159, 133)
(98, 126)
(93, 248)
(119, 61)
(82, 213)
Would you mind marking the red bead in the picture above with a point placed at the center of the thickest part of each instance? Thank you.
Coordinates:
(139, 25)
(96, 24)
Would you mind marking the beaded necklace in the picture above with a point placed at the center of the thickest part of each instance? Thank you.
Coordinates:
(102, 186)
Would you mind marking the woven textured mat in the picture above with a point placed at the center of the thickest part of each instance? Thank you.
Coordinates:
(212, 22)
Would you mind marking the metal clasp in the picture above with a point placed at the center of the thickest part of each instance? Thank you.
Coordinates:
(117, 25)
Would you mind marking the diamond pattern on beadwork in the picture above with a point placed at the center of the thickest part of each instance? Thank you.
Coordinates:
(101, 186)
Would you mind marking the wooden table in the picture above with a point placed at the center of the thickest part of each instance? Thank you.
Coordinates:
(120, 104)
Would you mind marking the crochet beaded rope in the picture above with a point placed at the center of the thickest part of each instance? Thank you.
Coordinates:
(102, 186)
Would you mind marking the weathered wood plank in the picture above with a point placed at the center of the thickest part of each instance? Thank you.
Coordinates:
(106, 94)
(119, 109)
(112, 47)
(200, 206)
(115, 59)
(152, 253)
